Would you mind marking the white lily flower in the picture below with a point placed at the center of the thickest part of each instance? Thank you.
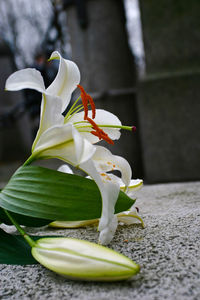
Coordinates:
(55, 138)
(78, 259)
(70, 137)
(102, 162)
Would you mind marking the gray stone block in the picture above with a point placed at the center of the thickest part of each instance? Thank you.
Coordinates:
(169, 110)
(171, 34)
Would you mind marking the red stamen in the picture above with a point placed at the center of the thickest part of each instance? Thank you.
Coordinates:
(108, 140)
(85, 98)
(95, 126)
(92, 106)
(99, 132)
(95, 133)
(84, 101)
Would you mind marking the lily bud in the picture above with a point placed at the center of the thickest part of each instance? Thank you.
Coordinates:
(78, 259)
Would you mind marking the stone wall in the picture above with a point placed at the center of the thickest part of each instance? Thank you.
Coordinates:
(171, 35)
(169, 95)
(107, 67)
(15, 137)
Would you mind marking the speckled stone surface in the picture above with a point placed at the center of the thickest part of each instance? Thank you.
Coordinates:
(167, 250)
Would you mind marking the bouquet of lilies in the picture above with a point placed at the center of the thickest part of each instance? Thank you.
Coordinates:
(37, 196)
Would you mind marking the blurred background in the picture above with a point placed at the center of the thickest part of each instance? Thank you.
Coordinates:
(139, 59)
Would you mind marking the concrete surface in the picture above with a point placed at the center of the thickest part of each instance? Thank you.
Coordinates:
(167, 250)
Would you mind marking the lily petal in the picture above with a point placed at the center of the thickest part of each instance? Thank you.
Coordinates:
(109, 193)
(25, 79)
(134, 185)
(105, 161)
(73, 224)
(66, 81)
(128, 217)
(108, 232)
(65, 169)
(64, 142)
(50, 115)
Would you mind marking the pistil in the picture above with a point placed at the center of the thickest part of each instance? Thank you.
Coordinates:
(129, 128)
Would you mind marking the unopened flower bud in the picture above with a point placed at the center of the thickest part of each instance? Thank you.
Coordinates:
(78, 259)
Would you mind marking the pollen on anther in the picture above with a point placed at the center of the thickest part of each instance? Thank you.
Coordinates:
(85, 99)
(99, 132)
(92, 106)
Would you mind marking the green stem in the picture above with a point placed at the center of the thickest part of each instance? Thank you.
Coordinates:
(21, 231)
(117, 126)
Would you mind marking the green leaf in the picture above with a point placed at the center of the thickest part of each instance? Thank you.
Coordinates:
(48, 194)
(14, 250)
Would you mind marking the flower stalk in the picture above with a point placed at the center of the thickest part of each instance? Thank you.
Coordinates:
(20, 229)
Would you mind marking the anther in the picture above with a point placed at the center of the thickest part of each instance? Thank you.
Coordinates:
(84, 101)
(99, 132)
(85, 98)
(92, 106)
